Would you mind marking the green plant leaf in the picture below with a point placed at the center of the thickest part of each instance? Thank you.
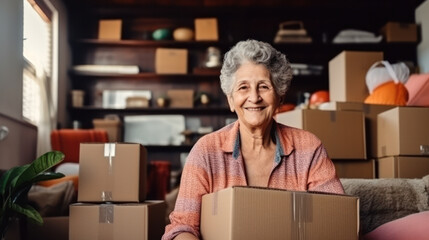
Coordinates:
(38, 166)
(24, 188)
(28, 211)
(16, 182)
(9, 176)
(47, 176)
(20, 194)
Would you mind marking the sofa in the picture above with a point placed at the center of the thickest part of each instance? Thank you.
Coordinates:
(383, 201)
(387, 206)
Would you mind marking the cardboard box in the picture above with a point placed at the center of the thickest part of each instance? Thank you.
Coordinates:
(145, 221)
(137, 102)
(341, 132)
(355, 169)
(347, 73)
(53, 228)
(181, 98)
(206, 29)
(399, 32)
(113, 128)
(110, 29)
(403, 167)
(112, 172)
(171, 61)
(403, 131)
(371, 112)
(255, 213)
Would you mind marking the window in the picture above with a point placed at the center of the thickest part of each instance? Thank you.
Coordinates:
(37, 55)
(37, 105)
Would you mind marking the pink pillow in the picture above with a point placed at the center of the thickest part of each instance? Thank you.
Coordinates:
(414, 226)
(418, 90)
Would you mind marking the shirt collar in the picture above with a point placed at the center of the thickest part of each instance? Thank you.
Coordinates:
(232, 142)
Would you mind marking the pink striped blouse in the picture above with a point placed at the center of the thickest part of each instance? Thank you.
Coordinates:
(301, 163)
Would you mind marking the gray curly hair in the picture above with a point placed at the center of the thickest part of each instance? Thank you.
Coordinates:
(259, 53)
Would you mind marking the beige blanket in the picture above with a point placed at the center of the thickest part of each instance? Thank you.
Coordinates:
(384, 200)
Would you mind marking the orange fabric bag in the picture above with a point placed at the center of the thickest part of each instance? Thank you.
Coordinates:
(389, 93)
(386, 84)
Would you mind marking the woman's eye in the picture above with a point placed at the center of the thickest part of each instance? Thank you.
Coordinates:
(242, 88)
(265, 87)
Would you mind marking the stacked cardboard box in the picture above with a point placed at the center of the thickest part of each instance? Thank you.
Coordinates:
(112, 126)
(370, 112)
(362, 168)
(258, 213)
(403, 142)
(343, 135)
(348, 91)
(341, 132)
(400, 32)
(397, 142)
(347, 127)
(112, 195)
(347, 73)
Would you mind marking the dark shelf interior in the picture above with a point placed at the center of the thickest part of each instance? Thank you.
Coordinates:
(237, 20)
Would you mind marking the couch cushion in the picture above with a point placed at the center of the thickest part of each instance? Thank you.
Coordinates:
(414, 226)
(385, 200)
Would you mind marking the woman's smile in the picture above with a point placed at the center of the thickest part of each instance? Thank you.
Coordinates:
(254, 109)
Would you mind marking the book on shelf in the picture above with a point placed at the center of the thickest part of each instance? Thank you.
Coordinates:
(106, 69)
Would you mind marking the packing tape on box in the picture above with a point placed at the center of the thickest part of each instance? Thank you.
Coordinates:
(106, 216)
(424, 149)
(109, 153)
(214, 204)
(333, 116)
(106, 213)
(302, 213)
(366, 109)
(383, 150)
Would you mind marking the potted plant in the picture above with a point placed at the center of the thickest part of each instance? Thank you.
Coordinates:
(17, 181)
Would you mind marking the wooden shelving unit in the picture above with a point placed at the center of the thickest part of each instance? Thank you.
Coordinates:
(238, 20)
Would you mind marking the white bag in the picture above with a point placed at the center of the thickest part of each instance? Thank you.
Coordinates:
(398, 72)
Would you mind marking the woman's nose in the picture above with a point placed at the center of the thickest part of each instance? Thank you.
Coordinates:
(254, 96)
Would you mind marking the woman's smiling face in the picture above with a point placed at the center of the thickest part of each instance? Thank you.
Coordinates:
(253, 97)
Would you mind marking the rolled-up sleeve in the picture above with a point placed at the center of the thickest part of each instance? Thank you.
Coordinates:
(322, 174)
(193, 185)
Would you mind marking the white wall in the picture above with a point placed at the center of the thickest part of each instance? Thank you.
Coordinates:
(422, 18)
(20, 145)
(18, 148)
(11, 60)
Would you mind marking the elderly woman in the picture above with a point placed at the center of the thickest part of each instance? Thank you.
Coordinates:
(255, 150)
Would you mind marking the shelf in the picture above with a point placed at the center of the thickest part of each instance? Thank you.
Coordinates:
(154, 110)
(149, 43)
(145, 76)
(193, 44)
(237, 20)
(305, 80)
(184, 148)
(327, 48)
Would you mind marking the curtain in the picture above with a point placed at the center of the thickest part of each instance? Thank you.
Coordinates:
(38, 105)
